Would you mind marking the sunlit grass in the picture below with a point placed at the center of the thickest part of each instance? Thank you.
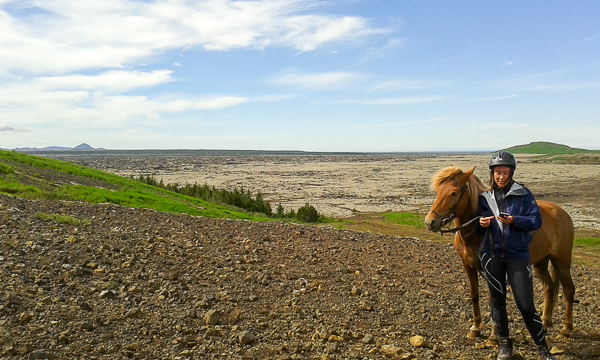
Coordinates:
(109, 189)
(407, 219)
(587, 242)
(63, 219)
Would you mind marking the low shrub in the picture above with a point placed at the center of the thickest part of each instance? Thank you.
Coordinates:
(6, 169)
(63, 219)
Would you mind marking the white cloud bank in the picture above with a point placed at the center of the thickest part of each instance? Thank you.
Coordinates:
(69, 64)
(61, 36)
(317, 81)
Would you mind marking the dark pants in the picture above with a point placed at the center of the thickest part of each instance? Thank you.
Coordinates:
(496, 270)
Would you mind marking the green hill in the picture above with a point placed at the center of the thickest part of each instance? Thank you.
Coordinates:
(34, 177)
(548, 148)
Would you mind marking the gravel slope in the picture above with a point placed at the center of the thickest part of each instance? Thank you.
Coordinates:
(146, 285)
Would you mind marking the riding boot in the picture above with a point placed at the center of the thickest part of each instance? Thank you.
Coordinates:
(545, 353)
(505, 349)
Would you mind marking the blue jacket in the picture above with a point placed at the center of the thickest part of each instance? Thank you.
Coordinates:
(510, 241)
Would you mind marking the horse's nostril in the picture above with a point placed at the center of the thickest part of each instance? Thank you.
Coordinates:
(430, 223)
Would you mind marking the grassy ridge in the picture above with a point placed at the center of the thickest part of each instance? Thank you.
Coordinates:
(33, 177)
(548, 148)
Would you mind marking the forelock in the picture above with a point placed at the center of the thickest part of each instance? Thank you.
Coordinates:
(443, 175)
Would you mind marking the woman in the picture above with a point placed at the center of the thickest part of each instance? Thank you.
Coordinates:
(509, 213)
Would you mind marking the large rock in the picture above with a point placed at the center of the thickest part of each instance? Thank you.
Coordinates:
(247, 337)
(417, 341)
(390, 350)
(212, 317)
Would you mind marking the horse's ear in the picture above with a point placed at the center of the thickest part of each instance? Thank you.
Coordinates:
(469, 173)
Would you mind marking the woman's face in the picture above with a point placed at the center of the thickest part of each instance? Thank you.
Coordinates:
(501, 175)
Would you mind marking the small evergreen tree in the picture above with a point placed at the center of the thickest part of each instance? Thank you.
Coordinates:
(239, 197)
(280, 211)
(308, 213)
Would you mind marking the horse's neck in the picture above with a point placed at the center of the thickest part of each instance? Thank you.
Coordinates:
(468, 235)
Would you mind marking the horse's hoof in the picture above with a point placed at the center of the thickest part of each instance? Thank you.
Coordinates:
(492, 341)
(565, 332)
(474, 333)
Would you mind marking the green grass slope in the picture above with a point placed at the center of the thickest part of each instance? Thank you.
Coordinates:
(33, 177)
(548, 148)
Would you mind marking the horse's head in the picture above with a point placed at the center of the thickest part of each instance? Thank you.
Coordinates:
(452, 197)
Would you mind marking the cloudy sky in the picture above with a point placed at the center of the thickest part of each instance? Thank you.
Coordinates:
(342, 75)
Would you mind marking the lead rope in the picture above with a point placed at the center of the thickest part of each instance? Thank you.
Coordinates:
(486, 237)
(460, 227)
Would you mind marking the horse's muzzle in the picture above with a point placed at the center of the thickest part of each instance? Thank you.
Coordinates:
(433, 222)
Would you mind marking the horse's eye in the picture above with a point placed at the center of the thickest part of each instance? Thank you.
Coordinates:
(455, 193)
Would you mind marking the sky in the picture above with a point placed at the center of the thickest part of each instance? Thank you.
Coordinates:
(339, 75)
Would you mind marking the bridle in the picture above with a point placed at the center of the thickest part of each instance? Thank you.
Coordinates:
(446, 219)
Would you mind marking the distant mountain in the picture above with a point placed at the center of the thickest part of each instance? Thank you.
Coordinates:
(81, 147)
(547, 148)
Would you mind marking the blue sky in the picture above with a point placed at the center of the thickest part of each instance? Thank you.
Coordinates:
(343, 75)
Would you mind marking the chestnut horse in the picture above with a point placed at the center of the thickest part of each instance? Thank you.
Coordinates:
(458, 198)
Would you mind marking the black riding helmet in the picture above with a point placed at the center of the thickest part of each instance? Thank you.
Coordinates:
(502, 158)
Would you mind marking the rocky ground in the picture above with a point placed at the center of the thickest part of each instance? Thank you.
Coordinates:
(146, 285)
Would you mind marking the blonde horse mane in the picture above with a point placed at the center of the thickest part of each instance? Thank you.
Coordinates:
(474, 185)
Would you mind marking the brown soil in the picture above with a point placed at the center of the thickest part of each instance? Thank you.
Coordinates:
(141, 284)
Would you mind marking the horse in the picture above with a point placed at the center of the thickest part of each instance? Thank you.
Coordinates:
(551, 247)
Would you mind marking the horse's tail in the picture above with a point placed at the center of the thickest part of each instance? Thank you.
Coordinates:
(555, 281)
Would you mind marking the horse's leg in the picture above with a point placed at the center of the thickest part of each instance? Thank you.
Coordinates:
(475, 330)
(540, 269)
(563, 272)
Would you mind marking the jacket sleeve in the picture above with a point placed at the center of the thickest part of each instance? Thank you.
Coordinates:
(530, 219)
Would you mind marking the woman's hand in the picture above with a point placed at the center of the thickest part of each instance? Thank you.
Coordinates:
(508, 220)
(485, 221)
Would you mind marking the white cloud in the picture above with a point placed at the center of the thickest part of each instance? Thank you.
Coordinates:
(404, 123)
(68, 67)
(378, 52)
(35, 106)
(406, 85)
(556, 87)
(494, 98)
(215, 103)
(110, 81)
(5, 128)
(591, 38)
(551, 81)
(319, 81)
(73, 35)
(398, 100)
(145, 138)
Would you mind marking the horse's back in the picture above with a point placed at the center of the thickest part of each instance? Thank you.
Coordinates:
(555, 237)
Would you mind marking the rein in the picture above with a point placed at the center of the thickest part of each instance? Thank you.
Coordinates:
(460, 227)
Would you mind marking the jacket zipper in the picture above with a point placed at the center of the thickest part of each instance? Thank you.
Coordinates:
(503, 231)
